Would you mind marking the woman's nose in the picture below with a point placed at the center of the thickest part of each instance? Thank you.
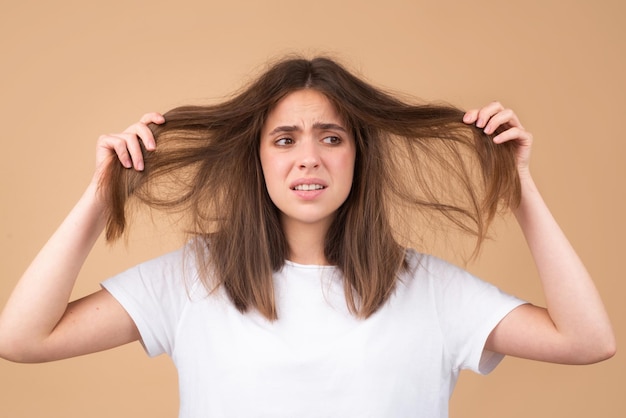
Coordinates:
(309, 156)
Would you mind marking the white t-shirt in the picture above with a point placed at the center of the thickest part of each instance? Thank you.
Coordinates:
(316, 360)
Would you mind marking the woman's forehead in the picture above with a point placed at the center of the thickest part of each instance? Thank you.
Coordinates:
(304, 106)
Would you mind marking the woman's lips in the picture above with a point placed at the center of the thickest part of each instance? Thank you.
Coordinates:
(308, 189)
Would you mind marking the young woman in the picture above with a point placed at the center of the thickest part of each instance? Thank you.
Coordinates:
(295, 295)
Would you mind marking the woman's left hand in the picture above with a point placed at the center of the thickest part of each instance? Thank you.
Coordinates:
(575, 327)
(504, 123)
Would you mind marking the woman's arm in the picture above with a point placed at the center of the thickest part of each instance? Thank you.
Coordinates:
(38, 324)
(574, 328)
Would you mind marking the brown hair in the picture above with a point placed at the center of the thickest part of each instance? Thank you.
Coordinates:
(416, 156)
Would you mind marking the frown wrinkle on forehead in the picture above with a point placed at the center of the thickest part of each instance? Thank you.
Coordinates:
(320, 126)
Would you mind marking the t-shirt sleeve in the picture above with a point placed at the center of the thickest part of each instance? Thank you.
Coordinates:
(154, 294)
(468, 310)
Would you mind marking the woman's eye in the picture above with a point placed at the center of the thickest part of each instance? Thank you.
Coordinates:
(284, 141)
(333, 140)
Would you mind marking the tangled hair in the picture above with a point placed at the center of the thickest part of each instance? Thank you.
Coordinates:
(416, 156)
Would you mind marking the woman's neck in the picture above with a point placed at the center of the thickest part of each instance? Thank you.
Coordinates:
(306, 242)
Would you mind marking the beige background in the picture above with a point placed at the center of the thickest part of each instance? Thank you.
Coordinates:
(72, 70)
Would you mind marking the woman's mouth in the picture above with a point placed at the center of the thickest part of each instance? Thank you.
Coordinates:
(309, 187)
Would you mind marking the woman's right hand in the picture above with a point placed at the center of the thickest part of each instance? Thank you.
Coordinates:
(126, 145)
(37, 323)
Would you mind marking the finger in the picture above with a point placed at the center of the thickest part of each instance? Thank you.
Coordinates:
(518, 134)
(152, 117)
(470, 116)
(112, 144)
(505, 118)
(134, 149)
(143, 133)
(119, 146)
(125, 146)
(487, 112)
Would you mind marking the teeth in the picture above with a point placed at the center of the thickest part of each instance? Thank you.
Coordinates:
(307, 187)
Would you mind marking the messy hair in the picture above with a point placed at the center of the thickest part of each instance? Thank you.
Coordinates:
(416, 156)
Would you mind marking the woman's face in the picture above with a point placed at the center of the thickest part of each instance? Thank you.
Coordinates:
(307, 155)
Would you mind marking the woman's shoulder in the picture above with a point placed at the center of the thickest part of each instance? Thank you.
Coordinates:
(171, 261)
(419, 263)
(173, 270)
(447, 283)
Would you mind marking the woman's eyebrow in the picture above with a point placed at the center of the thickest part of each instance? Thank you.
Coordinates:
(281, 129)
(322, 126)
(328, 127)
